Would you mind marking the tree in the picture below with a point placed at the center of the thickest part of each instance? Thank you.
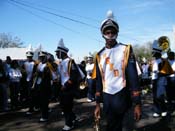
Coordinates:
(143, 51)
(7, 41)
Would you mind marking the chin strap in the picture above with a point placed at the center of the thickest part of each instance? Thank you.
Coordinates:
(108, 38)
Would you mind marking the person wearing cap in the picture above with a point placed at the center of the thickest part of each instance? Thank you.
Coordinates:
(90, 81)
(117, 82)
(29, 68)
(68, 74)
(41, 88)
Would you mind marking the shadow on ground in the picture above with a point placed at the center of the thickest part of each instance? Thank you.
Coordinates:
(18, 121)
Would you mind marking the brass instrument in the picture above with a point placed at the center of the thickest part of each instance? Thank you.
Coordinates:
(164, 44)
(83, 85)
(166, 68)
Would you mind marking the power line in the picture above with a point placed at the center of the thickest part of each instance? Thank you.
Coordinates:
(48, 20)
(55, 14)
(69, 13)
(61, 16)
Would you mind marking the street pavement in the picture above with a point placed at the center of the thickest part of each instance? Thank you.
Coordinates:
(19, 121)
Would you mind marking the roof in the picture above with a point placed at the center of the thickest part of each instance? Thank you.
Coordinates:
(14, 53)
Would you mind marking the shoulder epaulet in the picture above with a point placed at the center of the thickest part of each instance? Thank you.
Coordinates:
(123, 44)
(126, 54)
(101, 50)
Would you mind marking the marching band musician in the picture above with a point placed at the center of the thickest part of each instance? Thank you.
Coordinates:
(44, 77)
(90, 81)
(160, 70)
(116, 77)
(29, 67)
(68, 74)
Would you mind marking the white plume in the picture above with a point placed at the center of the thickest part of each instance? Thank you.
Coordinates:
(61, 43)
(40, 47)
(110, 14)
(30, 48)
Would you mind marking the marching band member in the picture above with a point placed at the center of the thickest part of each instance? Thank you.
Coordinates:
(90, 81)
(44, 77)
(160, 70)
(116, 77)
(29, 68)
(68, 74)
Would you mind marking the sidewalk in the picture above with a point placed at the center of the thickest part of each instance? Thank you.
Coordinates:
(18, 121)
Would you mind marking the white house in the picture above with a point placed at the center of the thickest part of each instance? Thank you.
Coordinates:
(14, 53)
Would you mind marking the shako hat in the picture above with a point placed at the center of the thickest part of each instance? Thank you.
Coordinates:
(90, 56)
(42, 53)
(61, 47)
(109, 22)
(29, 52)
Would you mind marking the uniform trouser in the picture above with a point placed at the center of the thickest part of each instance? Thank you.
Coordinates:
(14, 93)
(3, 96)
(91, 89)
(25, 92)
(44, 102)
(66, 101)
(170, 88)
(159, 87)
(171, 93)
(34, 100)
(115, 107)
(55, 90)
(28, 90)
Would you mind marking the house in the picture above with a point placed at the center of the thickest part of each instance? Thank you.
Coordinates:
(14, 53)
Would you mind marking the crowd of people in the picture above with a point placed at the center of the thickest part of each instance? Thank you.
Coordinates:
(112, 78)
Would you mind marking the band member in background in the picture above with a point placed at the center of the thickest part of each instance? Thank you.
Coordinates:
(29, 69)
(90, 81)
(55, 82)
(160, 70)
(44, 77)
(68, 73)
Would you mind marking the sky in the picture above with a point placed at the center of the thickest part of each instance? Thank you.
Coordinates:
(78, 22)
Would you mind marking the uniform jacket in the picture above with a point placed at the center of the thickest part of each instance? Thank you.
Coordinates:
(130, 72)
